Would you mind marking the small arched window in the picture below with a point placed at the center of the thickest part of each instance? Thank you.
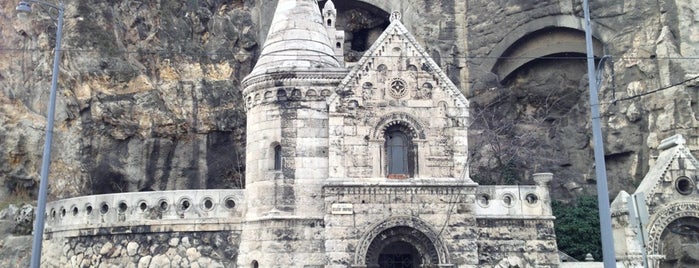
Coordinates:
(399, 153)
(254, 264)
(278, 157)
(330, 22)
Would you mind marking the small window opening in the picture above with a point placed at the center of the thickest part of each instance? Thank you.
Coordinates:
(330, 22)
(338, 45)
(278, 157)
(399, 153)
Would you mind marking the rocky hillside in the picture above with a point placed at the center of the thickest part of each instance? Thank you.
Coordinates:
(149, 91)
(149, 96)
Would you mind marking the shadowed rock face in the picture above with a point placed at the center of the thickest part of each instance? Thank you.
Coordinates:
(149, 92)
(149, 97)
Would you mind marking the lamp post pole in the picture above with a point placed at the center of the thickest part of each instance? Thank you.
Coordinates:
(25, 6)
(605, 217)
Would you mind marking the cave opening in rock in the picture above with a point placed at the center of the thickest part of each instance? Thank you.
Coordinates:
(362, 23)
(680, 243)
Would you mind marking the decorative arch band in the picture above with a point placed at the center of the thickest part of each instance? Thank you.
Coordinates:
(664, 217)
(413, 125)
(410, 229)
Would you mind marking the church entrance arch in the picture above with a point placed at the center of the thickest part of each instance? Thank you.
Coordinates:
(401, 247)
(671, 231)
(401, 242)
(680, 243)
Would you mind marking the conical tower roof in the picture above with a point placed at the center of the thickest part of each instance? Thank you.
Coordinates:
(297, 40)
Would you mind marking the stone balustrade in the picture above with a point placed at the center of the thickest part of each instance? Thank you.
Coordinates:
(512, 201)
(141, 212)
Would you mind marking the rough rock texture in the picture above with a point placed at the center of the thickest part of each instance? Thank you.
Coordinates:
(186, 249)
(537, 117)
(148, 96)
(149, 93)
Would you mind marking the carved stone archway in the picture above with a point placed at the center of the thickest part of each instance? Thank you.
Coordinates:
(662, 219)
(416, 233)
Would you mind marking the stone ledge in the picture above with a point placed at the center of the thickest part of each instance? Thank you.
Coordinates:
(387, 182)
(186, 210)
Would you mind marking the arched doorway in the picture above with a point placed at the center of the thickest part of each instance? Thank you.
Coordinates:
(401, 247)
(399, 254)
(680, 243)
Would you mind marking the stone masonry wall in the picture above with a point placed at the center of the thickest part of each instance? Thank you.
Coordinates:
(171, 249)
(374, 204)
(516, 243)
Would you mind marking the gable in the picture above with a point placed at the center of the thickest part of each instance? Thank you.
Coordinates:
(396, 89)
(397, 69)
(673, 176)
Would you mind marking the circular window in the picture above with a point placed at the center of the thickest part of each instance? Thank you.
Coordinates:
(184, 204)
(104, 208)
(532, 199)
(163, 205)
(143, 206)
(88, 209)
(398, 88)
(208, 204)
(229, 203)
(508, 200)
(484, 200)
(122, 207)
(74, 211)
(63, 212)
(684, 185)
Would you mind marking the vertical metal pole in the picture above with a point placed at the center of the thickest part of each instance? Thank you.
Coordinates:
(605, 217)
(46, 160)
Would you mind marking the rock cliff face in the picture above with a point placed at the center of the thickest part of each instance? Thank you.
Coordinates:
(149, 96)
(149, 91)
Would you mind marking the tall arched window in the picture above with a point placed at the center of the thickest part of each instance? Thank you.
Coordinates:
(278, 157)
(399, 153)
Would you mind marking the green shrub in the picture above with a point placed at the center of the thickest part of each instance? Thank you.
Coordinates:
(577, 227)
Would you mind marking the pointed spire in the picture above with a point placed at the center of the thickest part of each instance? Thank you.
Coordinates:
(329, 5)
(297, 39)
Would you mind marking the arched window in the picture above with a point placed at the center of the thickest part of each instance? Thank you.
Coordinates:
(278, 157)
(399, 153)
(254, 264)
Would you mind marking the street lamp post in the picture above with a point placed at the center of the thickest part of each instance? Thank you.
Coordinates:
(25, 7)
(605, 217)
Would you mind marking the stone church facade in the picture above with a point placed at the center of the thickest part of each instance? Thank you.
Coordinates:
(668, 198)
(348, 165)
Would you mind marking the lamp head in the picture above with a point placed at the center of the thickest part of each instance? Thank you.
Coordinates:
(23, 8)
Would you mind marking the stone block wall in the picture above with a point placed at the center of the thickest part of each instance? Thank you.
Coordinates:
(283, 242)
(442, 213)
(516, 243)
(193, 228)
(163, 249)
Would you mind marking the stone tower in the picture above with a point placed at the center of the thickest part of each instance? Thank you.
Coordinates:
(287, 141)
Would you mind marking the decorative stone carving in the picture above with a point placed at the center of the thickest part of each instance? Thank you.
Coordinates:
(412, 228)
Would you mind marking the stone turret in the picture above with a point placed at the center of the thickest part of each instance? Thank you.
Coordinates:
(297, 39)
(287, 141)
(337, 38)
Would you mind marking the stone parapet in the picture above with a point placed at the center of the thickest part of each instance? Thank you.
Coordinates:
(144, 212)
(280, 84)
(512, 201)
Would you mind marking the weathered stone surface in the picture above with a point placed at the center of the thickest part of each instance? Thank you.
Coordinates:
(148, 97)
(168, 113)
(150, 118)
(112, 253)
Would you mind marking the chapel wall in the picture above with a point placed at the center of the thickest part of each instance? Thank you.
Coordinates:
(510, 242)
(383, 206)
